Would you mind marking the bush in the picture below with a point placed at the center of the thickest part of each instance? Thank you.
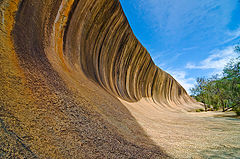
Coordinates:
(200, 110)
(210, 109)
(237, 110)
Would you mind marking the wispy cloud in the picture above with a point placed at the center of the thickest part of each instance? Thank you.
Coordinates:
(174, 16)
(189, 48)
(216, 60)
(232, 35)
(181, 77)
(160, 60)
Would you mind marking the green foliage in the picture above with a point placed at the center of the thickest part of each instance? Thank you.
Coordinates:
(237, 110)
(220, 91)
(199, 110)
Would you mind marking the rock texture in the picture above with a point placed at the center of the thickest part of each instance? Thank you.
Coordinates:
(64, 65)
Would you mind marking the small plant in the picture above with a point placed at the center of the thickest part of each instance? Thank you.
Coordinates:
(237, 110)
(200, 110)
(210, 109)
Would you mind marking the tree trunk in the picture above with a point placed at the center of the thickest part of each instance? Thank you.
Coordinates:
(205, 106)
(223, 106)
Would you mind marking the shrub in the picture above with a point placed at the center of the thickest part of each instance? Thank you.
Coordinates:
(210, 109)
(237, 110)
(200, 110)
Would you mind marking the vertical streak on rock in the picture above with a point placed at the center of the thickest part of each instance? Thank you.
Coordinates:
(109, 54)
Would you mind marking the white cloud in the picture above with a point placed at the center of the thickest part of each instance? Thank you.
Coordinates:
(181, 77)
(232, 35)
(174, 16)
(217, 59)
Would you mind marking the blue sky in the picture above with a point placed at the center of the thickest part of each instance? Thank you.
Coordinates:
(186, 38)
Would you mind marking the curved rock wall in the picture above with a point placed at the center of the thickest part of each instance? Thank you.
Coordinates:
(100, 40)
(63, 66)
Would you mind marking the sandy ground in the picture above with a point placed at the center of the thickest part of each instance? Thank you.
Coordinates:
(189, 134)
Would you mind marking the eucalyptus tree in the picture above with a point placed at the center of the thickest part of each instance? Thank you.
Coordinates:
(221, 91)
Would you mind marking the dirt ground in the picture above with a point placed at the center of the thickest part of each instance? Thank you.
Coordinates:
(189, 134)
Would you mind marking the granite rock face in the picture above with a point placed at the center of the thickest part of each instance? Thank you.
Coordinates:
(64, 65)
